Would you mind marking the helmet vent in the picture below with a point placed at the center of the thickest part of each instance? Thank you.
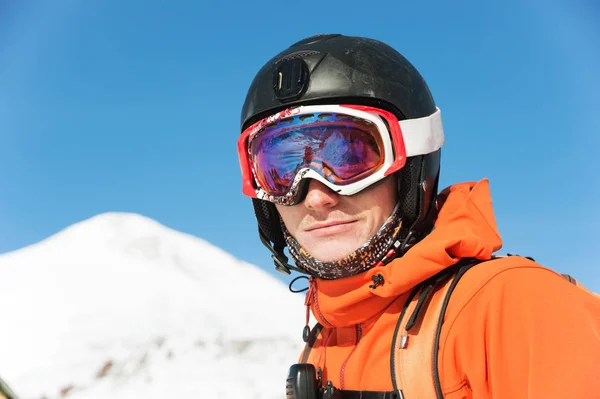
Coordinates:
(315, 38)
(297, 54)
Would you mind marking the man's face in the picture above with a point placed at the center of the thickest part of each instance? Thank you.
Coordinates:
(330, 226)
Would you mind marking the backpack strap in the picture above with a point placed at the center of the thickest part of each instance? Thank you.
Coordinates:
(415, 345)
(577, 283)
(438, 331)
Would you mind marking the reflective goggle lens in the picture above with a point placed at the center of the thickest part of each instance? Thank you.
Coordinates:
(341, 148)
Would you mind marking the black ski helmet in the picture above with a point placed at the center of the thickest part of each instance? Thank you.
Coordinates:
(336, 69)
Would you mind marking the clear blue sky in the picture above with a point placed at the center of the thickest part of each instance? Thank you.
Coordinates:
(134, 106)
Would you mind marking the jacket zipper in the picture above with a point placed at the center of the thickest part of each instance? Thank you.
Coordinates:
(343, 369)
(314, 299)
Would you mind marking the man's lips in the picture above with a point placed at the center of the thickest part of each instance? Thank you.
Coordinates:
(330, 228)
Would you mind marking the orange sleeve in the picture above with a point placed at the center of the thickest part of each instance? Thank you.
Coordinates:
(529, 334)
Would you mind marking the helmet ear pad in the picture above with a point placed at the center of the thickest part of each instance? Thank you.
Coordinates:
(417, 186)
(269, 224)
(417, 189)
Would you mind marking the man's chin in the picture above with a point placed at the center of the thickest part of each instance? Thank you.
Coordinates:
(333, 252)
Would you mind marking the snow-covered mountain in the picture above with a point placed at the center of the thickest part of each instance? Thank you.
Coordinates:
(121, 306)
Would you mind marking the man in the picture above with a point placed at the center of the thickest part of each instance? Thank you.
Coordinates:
(340, 152)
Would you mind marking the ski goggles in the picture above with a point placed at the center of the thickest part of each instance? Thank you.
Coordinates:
(345, 147)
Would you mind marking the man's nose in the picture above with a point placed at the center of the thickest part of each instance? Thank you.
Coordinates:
(320, 196)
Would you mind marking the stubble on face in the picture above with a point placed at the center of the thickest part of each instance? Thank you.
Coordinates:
(330, 226)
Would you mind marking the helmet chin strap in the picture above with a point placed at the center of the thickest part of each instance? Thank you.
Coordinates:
(367, 256)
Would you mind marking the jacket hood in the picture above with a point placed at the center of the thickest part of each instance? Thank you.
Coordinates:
(465, 228)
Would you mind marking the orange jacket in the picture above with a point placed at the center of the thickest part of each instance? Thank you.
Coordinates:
(513, 329)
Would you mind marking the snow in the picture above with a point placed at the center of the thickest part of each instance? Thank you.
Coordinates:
(121, 306)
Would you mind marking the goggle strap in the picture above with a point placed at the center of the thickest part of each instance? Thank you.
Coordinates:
(423, 135)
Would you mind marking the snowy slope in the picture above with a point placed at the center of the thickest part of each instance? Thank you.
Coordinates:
(120, 306)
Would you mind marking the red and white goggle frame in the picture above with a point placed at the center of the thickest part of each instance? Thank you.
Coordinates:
(403, 139)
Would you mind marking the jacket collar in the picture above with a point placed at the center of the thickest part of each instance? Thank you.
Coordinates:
(465, 228)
